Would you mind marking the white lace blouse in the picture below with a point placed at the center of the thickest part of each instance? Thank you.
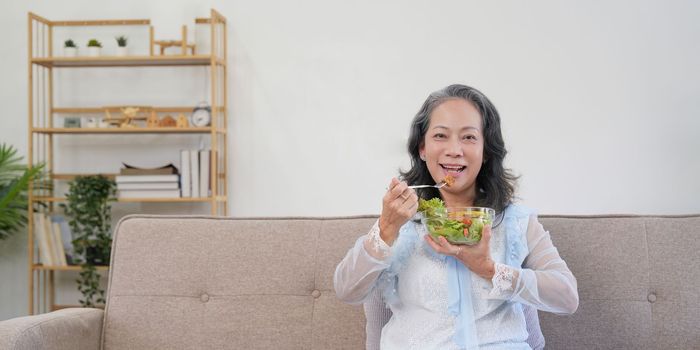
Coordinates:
(421, 319)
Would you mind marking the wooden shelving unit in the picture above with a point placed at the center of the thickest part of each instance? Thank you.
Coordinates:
(42, 115)
(131, 61)
(163, 130)
(65, 268)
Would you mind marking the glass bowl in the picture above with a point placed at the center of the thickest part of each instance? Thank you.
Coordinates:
(459, 225)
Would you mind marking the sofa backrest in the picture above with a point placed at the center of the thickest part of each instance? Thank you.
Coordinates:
(224, 283)
(638, 282)
(267, 283)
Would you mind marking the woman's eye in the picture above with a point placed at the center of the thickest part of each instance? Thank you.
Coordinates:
(439, 136)
(469, 137)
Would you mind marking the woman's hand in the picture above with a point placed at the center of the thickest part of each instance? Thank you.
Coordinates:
(398, 206)
(477, 257)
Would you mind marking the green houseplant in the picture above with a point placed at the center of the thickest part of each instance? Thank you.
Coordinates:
(94, 47)
(88, 210)
(69, 48)
(121, 45)
(121, 41)
(94, 43)
(14, 181)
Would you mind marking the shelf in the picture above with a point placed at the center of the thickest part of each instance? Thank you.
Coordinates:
(165, 200)
(137, 200)
(163, 130)
(66, 268)
(128, 61)
(101, 110)
(59, 307)
(68, 177)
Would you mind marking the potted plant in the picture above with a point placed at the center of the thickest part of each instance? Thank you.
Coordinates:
(69, 48)
(14, 181)
(88, 210)
(94, 48)
(121, 46)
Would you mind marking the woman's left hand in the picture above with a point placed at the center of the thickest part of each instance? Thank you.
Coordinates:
(476, 257)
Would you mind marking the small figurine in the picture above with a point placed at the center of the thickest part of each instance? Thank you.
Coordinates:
(152, 120)
(129, 115)
(182, 121)
(167, 121)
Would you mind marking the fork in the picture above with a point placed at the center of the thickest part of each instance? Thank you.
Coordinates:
(438, 185)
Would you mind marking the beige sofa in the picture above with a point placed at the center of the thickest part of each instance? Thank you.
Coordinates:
(223, 283)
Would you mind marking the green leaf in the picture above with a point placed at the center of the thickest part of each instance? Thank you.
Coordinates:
(14, 182)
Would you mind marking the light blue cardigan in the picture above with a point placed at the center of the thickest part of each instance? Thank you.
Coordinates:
(459, 280)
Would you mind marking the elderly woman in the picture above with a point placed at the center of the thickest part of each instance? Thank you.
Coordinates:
(447, 296)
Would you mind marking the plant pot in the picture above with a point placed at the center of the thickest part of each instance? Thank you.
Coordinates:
(122, 51)
(95, 256)
(94, 51)
(96, 253)
(70, 51)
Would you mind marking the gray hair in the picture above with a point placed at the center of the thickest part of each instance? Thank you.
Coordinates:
(495, 184)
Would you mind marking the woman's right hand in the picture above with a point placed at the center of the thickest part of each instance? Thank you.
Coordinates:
(398, 206)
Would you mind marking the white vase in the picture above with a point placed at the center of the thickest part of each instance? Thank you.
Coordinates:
(94, 51)
(122, 51)
(70, 51)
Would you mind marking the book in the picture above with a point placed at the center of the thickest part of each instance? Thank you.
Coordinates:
(58, 244)
(147, 178)
(66, 238)
(148, 185)
(185, 176)
(194, 173)
(42, 240)
(46, 228)
(204, 160)
(149, 193)
(163, 170)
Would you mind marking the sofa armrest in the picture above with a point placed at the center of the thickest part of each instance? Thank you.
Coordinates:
(74, 328)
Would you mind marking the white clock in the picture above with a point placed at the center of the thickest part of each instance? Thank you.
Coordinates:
(201, 115)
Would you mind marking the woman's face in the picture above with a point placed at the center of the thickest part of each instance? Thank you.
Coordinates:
(454, 145)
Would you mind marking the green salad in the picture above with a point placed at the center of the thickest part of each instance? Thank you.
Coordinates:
(457, 225)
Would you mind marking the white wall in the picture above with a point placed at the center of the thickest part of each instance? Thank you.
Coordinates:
(598, 99)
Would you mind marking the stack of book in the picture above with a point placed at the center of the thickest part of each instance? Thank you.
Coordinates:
(195, 179)
(53, 237)
(163, 182)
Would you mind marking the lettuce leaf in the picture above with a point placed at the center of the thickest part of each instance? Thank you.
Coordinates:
(432, 208)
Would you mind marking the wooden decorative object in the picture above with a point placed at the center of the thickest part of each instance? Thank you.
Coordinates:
(182, 121)
(167, 121)
(129, 114)
(164, 44)
(152, 121)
